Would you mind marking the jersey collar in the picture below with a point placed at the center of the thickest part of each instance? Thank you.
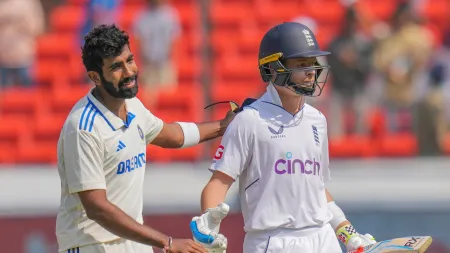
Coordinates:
(113, 121)
(271, 97)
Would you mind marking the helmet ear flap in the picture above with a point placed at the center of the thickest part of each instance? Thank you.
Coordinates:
(265, 73)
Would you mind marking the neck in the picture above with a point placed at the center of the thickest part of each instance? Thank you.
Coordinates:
(115, 105)
(292, 104)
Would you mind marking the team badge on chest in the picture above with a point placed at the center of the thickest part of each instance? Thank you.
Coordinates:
(141, 134)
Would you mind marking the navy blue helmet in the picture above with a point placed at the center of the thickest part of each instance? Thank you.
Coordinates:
(286, 41)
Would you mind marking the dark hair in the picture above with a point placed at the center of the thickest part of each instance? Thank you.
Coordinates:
(102, 42)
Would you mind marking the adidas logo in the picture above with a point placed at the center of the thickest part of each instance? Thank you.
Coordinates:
(121, 146)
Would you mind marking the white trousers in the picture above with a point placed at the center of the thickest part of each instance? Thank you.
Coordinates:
(312, 240)
(116, 246)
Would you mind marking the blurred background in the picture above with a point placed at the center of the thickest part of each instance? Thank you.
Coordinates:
(387, 101)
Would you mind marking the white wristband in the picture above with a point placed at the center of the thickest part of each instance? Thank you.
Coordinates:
(338, 215)
(191, 133)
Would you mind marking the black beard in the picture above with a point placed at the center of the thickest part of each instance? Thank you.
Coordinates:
(121, 92)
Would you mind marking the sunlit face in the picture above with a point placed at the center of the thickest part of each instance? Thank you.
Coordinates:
(299, 76)
(120, 75)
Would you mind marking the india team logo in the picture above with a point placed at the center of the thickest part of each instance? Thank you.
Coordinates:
(141, 134)
(291, 165)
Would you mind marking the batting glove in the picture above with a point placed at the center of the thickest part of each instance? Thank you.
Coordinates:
(205, 229)
(352, 239)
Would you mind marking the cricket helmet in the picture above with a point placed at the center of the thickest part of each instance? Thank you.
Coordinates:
(286, 41)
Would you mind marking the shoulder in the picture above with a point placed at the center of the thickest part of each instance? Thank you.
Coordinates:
(81, 119)
(248, 114)
(313, 113)
(243, 122)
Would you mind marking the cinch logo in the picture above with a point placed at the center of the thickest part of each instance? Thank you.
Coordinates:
(131, 164)
(292, 166)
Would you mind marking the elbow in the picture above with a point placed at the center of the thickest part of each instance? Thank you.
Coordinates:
(95, 213)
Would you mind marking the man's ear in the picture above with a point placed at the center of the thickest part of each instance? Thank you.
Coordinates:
(94, 76)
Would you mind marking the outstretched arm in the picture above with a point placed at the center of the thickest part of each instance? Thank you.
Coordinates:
(187, 134)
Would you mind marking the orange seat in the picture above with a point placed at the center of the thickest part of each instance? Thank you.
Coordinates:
(14, 132)
(64, 99)
(351, 146)
(133, 2)
(181, 97)
(447, 144)
(24, 101)
(48, 126)
(78, 2)
(435, 10)
(248, 43)
(190, 154)
(8, 153)
(172, 115)
(161, 155)
(326, 11)
(398, 145)
(128, 14)
(190, 44)
(76, 72)
(13, 128)
(38, 152)
(189, 69)
(228, 14)
(237, 91)
(275, 12)
(189, 15)
(56, 45)
(235, 70)
(68, 18)
(376, 9)
(223, 41)
(48, 71)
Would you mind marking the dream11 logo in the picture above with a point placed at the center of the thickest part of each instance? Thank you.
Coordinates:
(292, 166)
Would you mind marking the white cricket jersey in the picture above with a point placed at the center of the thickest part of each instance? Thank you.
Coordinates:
(97, 150)
(282, 164)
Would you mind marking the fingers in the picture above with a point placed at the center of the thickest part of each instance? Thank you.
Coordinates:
(197, 247)
(201, 232)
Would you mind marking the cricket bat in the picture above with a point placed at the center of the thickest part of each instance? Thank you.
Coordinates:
(411, 244)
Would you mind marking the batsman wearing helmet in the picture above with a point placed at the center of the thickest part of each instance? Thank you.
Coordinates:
(278, 148)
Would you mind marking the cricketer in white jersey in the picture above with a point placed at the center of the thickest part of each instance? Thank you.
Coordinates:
(102, 156)
(97, 150)
(278, 149)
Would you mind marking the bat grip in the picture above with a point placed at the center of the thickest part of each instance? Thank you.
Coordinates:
(358, 250)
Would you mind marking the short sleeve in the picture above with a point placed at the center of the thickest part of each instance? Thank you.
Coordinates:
(325, 155)
(153, 126)
(234, 152)
(83, 161)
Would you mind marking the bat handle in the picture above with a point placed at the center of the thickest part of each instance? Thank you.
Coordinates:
(358, 250)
